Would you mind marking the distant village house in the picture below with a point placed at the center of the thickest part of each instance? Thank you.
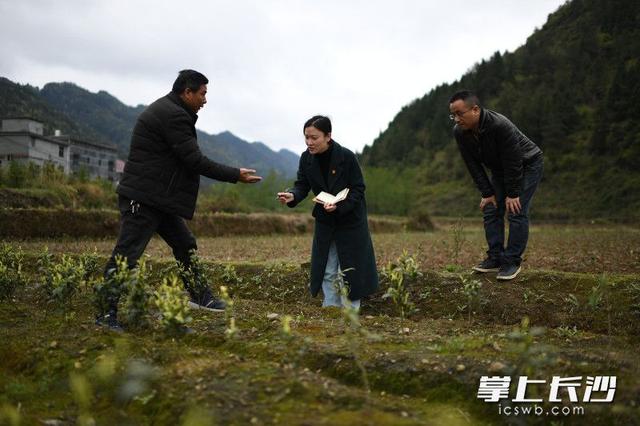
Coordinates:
(22, 139)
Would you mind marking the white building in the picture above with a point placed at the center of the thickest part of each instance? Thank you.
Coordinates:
(22, 139)
(97, 159)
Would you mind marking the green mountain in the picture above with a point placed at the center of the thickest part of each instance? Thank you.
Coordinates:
(105, 114)
(256, 154)
(572, 88)
(25, 101)
(103, 118)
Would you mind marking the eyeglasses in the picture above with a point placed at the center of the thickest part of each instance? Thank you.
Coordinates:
(459, 114)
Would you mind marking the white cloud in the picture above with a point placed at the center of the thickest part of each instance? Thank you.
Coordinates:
(272, 64)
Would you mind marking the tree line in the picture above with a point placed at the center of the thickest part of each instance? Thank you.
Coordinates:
(571, 88)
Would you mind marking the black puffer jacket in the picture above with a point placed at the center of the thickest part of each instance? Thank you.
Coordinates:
(165, 163)
(499, 145)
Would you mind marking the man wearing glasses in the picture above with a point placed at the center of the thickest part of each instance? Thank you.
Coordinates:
(488, 139)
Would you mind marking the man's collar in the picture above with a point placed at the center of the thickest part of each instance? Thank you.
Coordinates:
(482, 121)
(178, 100)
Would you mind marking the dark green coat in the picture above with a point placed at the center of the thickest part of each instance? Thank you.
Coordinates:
(347, 225)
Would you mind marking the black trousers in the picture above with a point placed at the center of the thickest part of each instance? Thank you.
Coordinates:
(138, 223)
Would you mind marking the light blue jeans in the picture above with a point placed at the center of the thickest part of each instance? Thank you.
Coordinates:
(332, 296)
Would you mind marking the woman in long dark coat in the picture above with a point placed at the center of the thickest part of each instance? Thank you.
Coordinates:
(341, 237)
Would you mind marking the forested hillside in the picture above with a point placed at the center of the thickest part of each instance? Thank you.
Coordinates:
(572, 88)
(101, 117)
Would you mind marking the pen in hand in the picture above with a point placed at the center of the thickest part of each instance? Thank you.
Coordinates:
(285, 197)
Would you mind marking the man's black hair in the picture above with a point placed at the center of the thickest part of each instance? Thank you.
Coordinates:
(188, 79)
(470, 99)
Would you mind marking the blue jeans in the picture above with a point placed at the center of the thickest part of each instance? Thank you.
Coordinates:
(518, 223)
(332, 296)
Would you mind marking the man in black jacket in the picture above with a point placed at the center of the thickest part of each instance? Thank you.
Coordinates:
(159, 186)
(488, 139)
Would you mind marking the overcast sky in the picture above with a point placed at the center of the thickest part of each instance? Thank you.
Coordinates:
(271, 64)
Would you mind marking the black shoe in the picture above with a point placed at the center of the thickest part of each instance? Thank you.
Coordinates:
(508, 272)
(488, 265)
(110, 321)
(207, 301)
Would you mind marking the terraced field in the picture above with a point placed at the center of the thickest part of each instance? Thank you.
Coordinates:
(573, 312)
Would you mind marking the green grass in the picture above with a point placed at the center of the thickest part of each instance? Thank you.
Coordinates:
(563, 248)
(427, 375)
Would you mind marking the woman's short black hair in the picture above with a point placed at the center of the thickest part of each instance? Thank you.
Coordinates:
(188, 79)
(320, 122)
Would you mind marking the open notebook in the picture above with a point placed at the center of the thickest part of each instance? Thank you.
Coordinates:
(326, 198)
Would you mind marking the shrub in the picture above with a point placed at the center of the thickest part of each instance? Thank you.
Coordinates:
(136, 308)
(471, 289)
(44, 265)
(50, 174)
(16, 175)
(194, 276)
(230, 276)
(107, 291)
(420, 220)
(173, 305)
(12, 258)
(11, 276)
(398, 274)
(8, 281)
(32, 173)
(231, 330)
(64, 280)
(90, 263)
(399, 293)
(457, 233)
(531, 356)
(10, 415)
